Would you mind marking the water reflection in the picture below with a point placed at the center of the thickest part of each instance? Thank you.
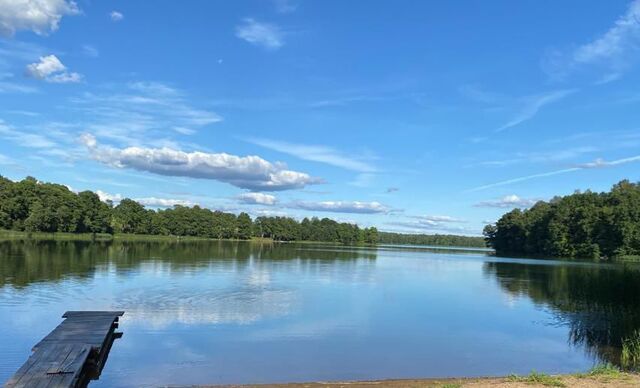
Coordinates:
(599, 303)
(208, 312)
(29, 261)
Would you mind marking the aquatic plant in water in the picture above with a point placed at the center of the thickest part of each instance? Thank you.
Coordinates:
(630, 358)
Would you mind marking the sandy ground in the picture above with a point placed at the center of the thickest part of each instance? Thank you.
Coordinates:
(623, 380)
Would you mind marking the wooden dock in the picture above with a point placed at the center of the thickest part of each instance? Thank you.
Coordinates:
(72, 354)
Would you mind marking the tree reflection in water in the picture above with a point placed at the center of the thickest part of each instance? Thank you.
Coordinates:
(599, 303)
(29, 261)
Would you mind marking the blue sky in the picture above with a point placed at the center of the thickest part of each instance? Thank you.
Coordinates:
(410, 116)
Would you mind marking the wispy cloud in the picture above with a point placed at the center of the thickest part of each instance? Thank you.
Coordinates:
(266, 35)
(285, 6)
(426, 226)
(4, 160)
(525, 178)
(601, 163)
(348, 100)
(26, 113)
(356, 207)
(432, 223)
(508, 201)
(41, 17)
(248, 172)
(13, 56)
(556, 155)
(439, 219)
(532, 106)
(139, 111)
(598, 163)
(116, 16)
(478, 94)
(612, 51)
(90, 51)
(50, 69)
(621, 38)
(25, 139)
(14, 87)
(317, 153)
(184, 131)
(364, 179)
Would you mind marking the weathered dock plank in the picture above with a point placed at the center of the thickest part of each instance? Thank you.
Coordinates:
(72, 354)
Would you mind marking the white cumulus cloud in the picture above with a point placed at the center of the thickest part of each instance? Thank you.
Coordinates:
(247, 172)
(65, 78)
(46, 66)
(163, 202)
(257, 199)
(266, 35)
(147, 201)
(104, 196)
(50, 69)
(39, 16)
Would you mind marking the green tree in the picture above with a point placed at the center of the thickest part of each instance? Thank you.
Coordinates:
(130, 217)
(95, 215)
(583, 224)
(371, 235)
(41, 219)
(245, 226)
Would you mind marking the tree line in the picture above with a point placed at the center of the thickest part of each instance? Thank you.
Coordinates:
(449, 240)
(580, 225)
(33, 206)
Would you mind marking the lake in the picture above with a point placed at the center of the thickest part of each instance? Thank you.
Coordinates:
(237, 312)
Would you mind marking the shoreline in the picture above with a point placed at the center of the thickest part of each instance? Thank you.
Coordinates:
(593, 379)
(67, 236)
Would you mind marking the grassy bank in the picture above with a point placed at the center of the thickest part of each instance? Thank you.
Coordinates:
(60, 236)
(17, 235)
(598, 377)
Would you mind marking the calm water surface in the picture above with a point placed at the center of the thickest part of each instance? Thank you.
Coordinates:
(229, 312)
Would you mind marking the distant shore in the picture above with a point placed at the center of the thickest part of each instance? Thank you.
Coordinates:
(64, 236)
(587, 380)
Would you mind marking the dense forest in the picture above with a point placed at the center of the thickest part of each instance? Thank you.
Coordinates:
(33, 206)
(581, 225)
(449, 240)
